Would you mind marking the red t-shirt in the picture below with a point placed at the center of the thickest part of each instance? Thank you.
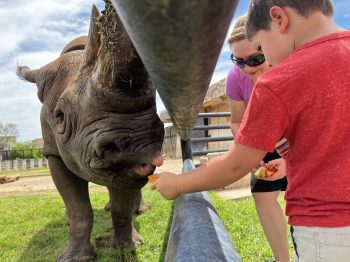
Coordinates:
(306, 99)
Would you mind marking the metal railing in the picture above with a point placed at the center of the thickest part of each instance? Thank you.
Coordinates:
(21, 154)
(208, 139)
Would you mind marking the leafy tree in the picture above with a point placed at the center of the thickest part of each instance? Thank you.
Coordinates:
(8, 135)
(25, 150)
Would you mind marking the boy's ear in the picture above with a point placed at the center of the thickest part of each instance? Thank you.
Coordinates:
(279, 16)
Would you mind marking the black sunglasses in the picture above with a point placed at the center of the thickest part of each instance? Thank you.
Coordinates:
(251, 61)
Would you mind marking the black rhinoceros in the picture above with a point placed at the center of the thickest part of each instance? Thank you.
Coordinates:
(99, 124)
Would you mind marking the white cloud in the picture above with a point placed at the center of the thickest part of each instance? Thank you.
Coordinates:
(23, 21)
(35, 59)
(33, 33)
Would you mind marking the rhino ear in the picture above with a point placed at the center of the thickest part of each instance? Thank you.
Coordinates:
(93, 42)
(25, 73)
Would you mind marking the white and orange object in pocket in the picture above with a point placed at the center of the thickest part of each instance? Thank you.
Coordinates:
(265, 170)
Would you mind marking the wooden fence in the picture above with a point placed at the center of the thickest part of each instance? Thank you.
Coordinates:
(23, 164)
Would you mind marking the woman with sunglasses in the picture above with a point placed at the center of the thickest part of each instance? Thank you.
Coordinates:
(248, 66)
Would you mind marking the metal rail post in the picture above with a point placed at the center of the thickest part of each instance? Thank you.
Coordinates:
(197, 232)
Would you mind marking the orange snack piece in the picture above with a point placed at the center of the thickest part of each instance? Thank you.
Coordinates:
(271, 170)
(153, 178)
(265, 171)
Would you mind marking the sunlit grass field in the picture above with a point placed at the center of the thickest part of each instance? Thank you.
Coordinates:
(34, 228)
(27, 172)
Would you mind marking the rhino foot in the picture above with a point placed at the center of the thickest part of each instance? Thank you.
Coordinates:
(136, 238)
(81, 254)
(119, 242)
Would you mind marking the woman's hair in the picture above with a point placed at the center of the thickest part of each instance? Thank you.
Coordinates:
(258, 17)
(238, 31)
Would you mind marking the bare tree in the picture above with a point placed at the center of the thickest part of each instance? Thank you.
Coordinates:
(8, 135)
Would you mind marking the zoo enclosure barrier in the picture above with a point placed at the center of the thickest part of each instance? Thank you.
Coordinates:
(197, 232)
(23, 164)
(207, 138)
(21, 153)
(210, 135)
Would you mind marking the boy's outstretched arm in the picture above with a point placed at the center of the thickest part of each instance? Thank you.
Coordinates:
(217, 173)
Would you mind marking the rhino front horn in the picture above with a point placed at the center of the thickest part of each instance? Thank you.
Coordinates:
(93, 43)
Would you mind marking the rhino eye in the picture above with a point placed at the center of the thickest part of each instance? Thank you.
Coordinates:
(60, 121)
(59, 117)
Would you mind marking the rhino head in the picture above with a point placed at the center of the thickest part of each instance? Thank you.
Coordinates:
(99, 112)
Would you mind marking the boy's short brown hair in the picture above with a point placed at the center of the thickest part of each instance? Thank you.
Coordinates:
(258, 17)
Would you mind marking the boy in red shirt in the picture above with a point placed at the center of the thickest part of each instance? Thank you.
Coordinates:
(308, 88)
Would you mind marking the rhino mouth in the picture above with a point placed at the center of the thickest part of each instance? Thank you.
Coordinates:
(132, 177)
(144, 169)
(128, 173)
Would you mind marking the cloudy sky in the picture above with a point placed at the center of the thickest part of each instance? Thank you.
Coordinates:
(33, 34)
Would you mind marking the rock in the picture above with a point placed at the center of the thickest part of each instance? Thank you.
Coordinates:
(7, 179)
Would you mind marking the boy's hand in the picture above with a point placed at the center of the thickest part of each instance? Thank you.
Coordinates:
(280, 173)
(166, 185)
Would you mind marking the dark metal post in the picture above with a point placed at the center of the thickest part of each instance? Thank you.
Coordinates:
(197, 233)
(186, 149)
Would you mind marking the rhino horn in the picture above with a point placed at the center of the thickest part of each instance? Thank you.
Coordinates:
(116, 51)
(119, 76)
(93, 42)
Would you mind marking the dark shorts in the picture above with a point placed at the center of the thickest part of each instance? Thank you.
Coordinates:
(260, 185)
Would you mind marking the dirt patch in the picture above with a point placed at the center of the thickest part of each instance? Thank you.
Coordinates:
(27, 186)
(32, 185)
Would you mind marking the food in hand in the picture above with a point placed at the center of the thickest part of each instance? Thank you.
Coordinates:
(265, 171)
(153, 178)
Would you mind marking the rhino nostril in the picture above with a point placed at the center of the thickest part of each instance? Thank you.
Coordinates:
(111, 147)
(108, 149)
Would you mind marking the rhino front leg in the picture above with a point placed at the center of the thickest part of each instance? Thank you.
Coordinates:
(140, 205)
(75, 194)
(122, 204)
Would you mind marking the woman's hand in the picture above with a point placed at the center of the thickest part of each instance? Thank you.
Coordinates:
(166, 185)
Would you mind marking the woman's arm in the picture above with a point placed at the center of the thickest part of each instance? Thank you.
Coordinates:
(237, 109)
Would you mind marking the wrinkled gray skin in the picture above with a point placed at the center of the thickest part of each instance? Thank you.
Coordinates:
(99, 124)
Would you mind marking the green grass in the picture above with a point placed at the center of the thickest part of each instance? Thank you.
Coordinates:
(34, 228)
(242, 223)
(28, 172)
